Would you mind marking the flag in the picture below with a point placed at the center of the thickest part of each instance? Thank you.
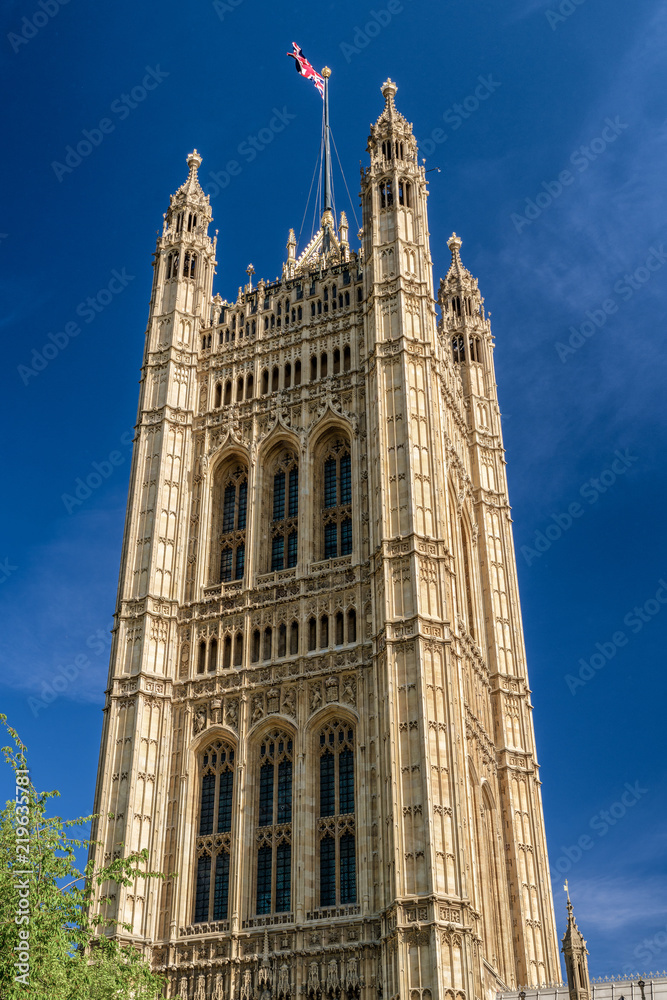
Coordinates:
(304, 68)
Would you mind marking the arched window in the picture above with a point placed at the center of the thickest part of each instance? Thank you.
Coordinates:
(324, 631)
(340, 628)
(312, 634)
(468, 583)
(213, 656)
(213, 846)
(265, 382)
(287, 377)
(313, 368)
(268, 641)
(347, 358)
(458, 349)
(294, 639)
(256, 637)
(336, 361)
(189, 264)
(285, 511)
(239, 389)
(352, 625)
(274, 824)
(386, 194)
(297, 373)
(336, 826)
(337, 501)
(218, 396)
(228, 392)
(201, 658)
(172, 265)
(249, 386)
(475, 349)
(227, 653)
(275, 376)
(232, 534)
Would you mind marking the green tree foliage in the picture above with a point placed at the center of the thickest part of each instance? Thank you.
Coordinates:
(45, 914)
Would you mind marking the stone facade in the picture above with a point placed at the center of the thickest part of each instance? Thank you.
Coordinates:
(318, 710)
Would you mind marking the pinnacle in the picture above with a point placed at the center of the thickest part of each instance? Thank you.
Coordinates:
(456, 267)
(194, 160)
(389, 89)
(192, 185)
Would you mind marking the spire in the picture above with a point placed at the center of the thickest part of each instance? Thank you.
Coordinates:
(389, 89)
(391, 137)
(575, 952)
(192, 185)
(189, 208)
(456, 267)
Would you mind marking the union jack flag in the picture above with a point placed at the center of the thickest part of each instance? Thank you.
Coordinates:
(304, 68)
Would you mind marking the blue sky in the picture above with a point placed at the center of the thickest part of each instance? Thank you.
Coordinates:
(555, 181)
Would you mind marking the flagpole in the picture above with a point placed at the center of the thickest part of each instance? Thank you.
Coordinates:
(326, 73)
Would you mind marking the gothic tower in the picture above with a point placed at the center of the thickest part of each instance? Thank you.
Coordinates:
(318, 711)
(575, 953)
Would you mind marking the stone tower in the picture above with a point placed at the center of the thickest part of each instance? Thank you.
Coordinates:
(575, 953)
(318, 710)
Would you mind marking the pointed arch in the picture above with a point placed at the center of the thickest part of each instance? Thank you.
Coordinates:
(216, 769)
(229, 519)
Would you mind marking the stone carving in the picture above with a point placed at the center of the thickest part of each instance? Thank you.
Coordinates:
(313, 979)
(257, 709)
(331, 685)
(246, 985)
(273, 700)
(315, 697)
(199, 722)
(200, 992)
(349, 691)
(232, 713)
(289, 702)
(217, 990)
(351, 976)
(283, 989)
(333, 985)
